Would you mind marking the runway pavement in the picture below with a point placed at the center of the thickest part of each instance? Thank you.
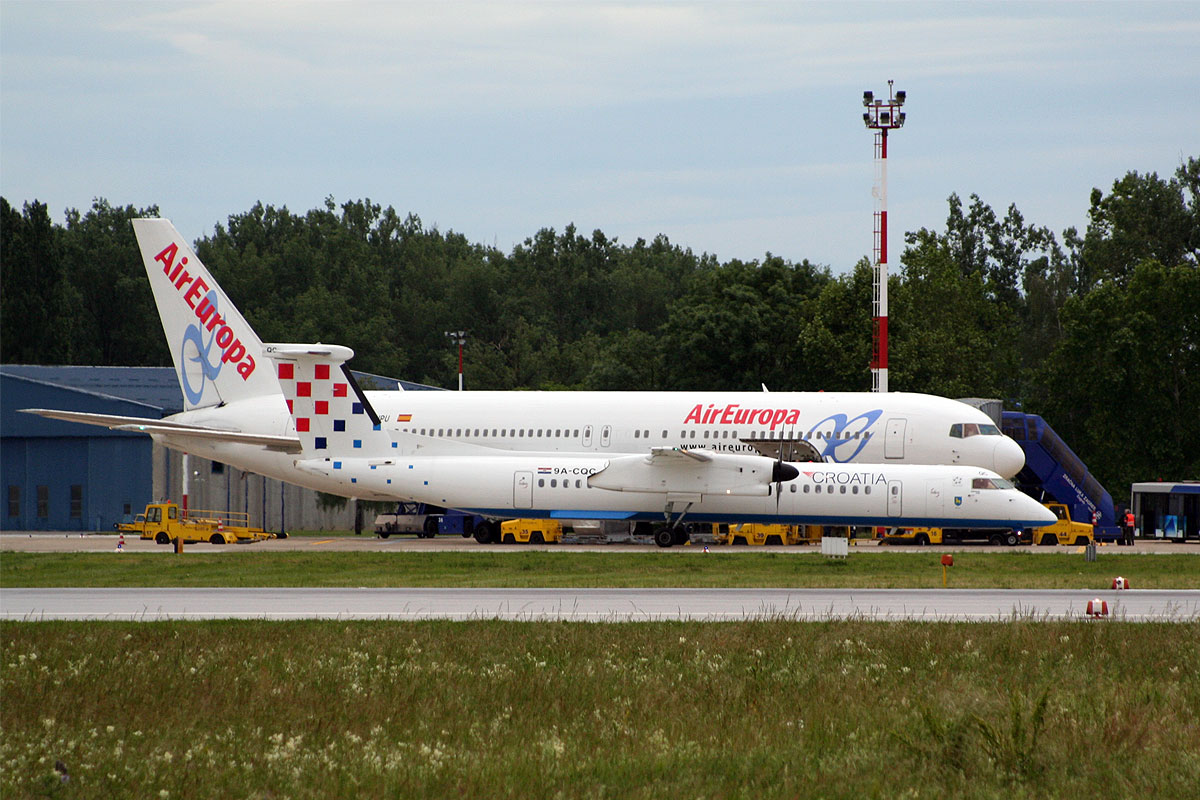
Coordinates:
(607, 605)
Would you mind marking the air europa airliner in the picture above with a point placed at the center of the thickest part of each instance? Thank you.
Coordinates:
(235, 411)
(343, 445)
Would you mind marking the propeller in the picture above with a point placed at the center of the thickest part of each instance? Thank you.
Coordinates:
(782, 472)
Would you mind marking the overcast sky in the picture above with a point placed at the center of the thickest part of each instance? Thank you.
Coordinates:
(733, 128)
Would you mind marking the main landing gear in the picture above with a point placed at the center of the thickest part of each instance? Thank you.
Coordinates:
(673, 532)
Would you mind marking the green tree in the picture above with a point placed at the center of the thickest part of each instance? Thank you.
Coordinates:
(1121, 386)
(35, 323)
(114, 306)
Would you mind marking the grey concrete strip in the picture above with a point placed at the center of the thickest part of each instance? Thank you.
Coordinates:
(614, 605)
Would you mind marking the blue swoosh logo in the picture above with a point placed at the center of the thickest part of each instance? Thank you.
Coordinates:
(204, 357)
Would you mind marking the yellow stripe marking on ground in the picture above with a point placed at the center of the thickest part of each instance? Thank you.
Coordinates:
(323, 541)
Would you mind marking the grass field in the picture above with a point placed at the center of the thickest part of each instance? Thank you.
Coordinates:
(903, 569)
(644, 710)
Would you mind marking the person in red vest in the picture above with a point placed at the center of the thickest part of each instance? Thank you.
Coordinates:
(1129, 523)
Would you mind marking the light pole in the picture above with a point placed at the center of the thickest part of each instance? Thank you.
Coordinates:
(881, 116)
(459, 338)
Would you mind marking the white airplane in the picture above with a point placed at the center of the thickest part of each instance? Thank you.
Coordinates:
(234, 409)
(343, 446)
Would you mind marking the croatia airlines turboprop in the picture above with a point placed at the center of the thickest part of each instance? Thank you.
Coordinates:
(235, 413)
(342, 444)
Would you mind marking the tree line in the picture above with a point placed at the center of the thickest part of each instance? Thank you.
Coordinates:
(1099, 331)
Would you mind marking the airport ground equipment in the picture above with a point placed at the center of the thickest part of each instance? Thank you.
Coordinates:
(1167, 509)
(752, 533)
(1065, 531)
(165, 522)
(924, 536)
(427, 521)
(531, 531)
(1053, 473)
(917, 536)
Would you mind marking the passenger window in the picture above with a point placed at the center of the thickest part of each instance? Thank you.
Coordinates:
(793, 488)
(637, 434)
(664, 434)
(806, 488)
(843, 489)
(554, 483)
(541, 482)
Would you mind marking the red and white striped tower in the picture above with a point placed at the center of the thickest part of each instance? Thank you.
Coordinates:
(881, 116)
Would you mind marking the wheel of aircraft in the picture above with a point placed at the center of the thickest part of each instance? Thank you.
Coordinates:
(664, 537)
(1011, 539)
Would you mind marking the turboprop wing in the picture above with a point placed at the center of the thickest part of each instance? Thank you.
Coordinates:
(676, 470)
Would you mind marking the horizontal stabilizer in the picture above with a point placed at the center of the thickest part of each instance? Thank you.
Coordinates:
(169, 429)
(284, 444)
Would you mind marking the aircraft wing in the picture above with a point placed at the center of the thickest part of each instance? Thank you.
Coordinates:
(670, 470)
(163, 427)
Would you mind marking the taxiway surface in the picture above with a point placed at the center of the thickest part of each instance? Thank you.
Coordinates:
(607, 605)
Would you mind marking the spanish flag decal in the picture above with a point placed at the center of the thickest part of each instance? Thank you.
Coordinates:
(404, 418)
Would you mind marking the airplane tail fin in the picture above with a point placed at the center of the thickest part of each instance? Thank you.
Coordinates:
(216, 352)
(331, 414)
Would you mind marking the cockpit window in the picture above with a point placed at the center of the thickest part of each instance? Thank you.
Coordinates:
(991, 483)
(965, 430)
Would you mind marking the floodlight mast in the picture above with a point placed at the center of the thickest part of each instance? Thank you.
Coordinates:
(881, 116)
(459, 338)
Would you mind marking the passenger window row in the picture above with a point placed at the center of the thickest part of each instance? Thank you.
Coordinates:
(568, 433)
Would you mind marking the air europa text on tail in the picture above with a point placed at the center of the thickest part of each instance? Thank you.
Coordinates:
(232, 349)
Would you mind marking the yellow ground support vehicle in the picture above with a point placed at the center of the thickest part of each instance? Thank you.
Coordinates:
(918, 536)
(1065, 531)
(163, 523)
(757, 534)
(531, 531)
(812, 534)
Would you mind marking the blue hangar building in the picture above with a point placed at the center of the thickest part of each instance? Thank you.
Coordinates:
(65, 476)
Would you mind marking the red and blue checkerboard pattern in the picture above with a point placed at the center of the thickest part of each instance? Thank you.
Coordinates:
(328, 417)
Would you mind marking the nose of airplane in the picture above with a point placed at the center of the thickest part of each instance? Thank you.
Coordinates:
(1008, 457)
(1044, 515)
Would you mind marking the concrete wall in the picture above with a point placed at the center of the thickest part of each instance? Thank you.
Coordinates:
(270, 504)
